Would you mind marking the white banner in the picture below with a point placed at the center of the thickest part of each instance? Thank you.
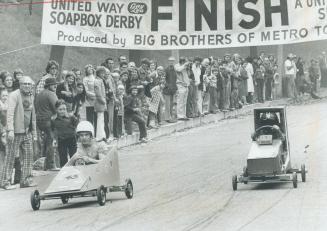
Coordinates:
(182, 24)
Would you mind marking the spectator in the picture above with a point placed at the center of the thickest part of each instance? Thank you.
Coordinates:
(182, 83)
(300, 78)
(111, 89)
(122, 59)
(7, 80)
(169, 92)
(143, 72)
(192, 104)
(45, 109)
(133, 78)
(259, 77)
(144, 103)
(323, 68)
(79, 100)
(214, 98)
(123, 66)
(276, 82)
(156, 104)
(78, 75)
(100, 104)
(198, 73)
(3, 125)
(314, 74)
(21, 129)
(131, 65)
(67, 90)
(269, 77)
(110, 64)
(133, 112)
(51, 71)
(88, 82)
(152, 67)
(118, 122)
(250, 82)
(243, 83)
(18, 74)
(235, 81)
(226, 86)
(290, 73)
(63, 127)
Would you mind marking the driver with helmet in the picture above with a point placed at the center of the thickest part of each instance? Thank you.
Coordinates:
(269, 124)
(89, 151)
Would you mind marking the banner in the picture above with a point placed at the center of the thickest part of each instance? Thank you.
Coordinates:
(182, 24)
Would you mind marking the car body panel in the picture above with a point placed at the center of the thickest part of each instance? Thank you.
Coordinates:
(87, 177)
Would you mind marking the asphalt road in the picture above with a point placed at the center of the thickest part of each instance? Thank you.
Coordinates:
(183, 182)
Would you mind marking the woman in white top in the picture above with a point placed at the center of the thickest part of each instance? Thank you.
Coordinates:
(88, 82)
(250, 72)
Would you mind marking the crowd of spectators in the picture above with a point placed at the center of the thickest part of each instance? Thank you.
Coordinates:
(41, 117)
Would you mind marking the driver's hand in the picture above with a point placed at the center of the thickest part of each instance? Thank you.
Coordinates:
(86, 158)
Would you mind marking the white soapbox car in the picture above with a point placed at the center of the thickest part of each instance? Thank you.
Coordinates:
(78, 179)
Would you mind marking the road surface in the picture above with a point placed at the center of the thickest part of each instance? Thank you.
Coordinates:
(183, 182)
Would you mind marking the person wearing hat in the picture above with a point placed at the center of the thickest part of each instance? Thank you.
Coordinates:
(45, 108)
(21, 131)
(290, 75)
(133, 112)
(89, 151)
(169, 91)
(51, 71)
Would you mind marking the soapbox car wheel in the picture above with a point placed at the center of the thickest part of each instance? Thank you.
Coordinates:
(35, 200)
(294, 179)
(303, 173)
(101, 195)
(129, 189)
(245, 174)
(64, 199)
(234, 182)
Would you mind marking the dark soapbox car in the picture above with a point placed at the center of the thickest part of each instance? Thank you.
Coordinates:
(269, 159)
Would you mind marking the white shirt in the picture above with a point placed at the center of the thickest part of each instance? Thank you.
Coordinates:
(288, 63)
(197, 73)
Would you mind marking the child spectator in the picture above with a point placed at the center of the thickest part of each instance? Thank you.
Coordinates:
(155, 104)
(213, 107)
(79, 100)
(63, 127)
(119, 112)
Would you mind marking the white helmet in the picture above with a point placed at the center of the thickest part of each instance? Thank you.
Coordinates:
(85, 126)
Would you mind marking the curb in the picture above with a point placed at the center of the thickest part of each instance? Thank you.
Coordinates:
(169, 129)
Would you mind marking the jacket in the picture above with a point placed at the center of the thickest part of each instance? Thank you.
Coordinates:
(15, 114)
(100, 103)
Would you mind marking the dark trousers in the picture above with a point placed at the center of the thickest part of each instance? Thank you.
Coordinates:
(140, 122)
(91, 116)
(18, 170)
(260, 83)
(47, 152)
(106, 124)
(66, 146)
(269, 82)
(117, 124)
